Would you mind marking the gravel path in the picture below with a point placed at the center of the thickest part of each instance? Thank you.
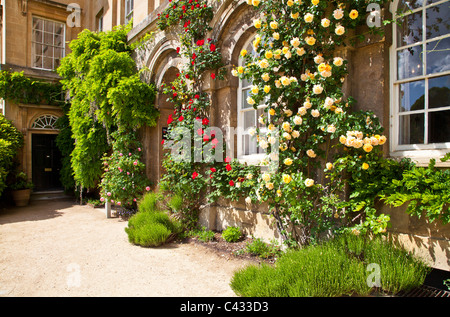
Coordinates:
(58, 248)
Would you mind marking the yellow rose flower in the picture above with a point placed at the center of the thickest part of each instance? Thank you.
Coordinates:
(365, 166)
(272, 111)
(301, 51)
(325, 22)
(286, 126)
(279, 193)
(295, 15)
(295, 42)
(295, 134)
(255, 2)
(288, 161)
(311, 153)
(266, 177)
(264, 63)
(309, 17)
(276, 35)
(255, 90)
(269, 186)
(382, 140)
(338, 14)
(315, 2)
(287, 178)
(338, 61)
(243, 53)
(309, 182)
(268, 54)
(266, 89)
(240, 70)
(367, 147)
(353, 14)
(257, 23)
(273, 25)
(310, 40)
(329, 166)
(317, 89)
(339, 30)
(290, 3)
(250, 101)
(265, 77)
(285, 81)
(342, 139)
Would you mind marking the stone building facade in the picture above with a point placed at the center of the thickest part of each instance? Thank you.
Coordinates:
(387, 75)
(379, 80)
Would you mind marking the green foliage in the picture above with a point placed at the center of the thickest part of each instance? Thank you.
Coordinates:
(18, 88)
(426, 191)
(66, 145)
(335, 268)
(262, 249)
(232, 234)
(11, 140)
(124, 179)
(107, 95)
(20, 181)
(151, 229)
(202, 234)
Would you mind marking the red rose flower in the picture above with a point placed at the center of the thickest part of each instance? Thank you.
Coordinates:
(197, 96)
(228, 167)
(213, 76)
(205, 121)
(212, 48)
(231, 183)
(213, 169)
(181, 118)
(170, 119)
(194, 175)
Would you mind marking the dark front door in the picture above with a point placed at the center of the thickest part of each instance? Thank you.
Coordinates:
(46, 162)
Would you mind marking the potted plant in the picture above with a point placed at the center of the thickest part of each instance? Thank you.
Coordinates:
(21, 189)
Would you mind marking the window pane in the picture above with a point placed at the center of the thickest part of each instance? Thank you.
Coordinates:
(438, 21)
(249, 119)
(439, 126)
(38, 24)
(404, 6)
(37, 61)
(412, 96)
(411, 129)
(47, 51)
(410, 29)
(48, 38)
(48, 26)
(48, 63)
(410, 62)
(438, 56)
(37, 36)
(59, 41)
(439, 92)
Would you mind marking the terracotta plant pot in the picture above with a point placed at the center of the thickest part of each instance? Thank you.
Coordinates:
(21, 197)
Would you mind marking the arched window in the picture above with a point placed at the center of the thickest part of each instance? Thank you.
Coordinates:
(46, 122)
(421, 76)
(247, 118)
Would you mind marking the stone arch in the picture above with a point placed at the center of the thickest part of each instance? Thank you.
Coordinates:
(44, 122)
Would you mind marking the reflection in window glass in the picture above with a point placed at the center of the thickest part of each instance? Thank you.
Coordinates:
(404, 6)
(439, 92)
(412, 96)
(438, 56)
(410, 29)
(439, 126)
(409, 62)
(411, 129)
(438, 20)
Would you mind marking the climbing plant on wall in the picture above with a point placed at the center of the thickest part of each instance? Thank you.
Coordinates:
(109, 101)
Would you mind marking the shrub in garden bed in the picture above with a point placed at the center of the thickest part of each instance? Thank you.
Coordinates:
(151, 227)
(340, 267)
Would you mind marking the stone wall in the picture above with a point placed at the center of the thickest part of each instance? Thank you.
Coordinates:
(367, 82)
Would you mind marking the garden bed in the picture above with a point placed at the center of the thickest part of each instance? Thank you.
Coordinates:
(228, 250)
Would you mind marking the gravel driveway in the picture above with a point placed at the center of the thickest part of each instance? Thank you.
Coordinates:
(59, 248)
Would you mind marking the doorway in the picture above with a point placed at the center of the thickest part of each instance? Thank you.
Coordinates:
(46, 162)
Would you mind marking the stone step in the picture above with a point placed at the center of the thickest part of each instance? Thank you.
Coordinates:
(49, 195)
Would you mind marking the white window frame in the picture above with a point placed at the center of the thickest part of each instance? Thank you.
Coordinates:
(33, 43)
(253, 158)
(129, 9)
(419, 152)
